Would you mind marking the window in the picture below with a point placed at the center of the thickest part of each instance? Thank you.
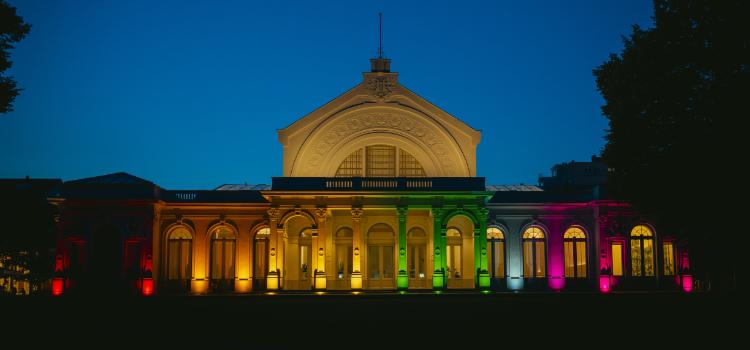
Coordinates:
(534, 257)
(668, 259)
(616, 259)
(642, 251)
(380, 265)
(496, 242)
(574, 243)
(222, 258)
(351, 166)
(380, 161)
(261, 253)
(179, 254)
(408, 166)
(453, 250)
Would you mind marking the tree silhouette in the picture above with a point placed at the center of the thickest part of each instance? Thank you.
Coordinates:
(12, 30)
(666, 96)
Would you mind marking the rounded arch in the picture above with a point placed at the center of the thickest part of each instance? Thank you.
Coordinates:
(176, 226)
(575, 251)
(333, 133)
(575, 232)
(495, 232)
(344, 232)
(643, 251)
(257, 227)
(460, 212)
(295, 213)
(380, 230)
(642, 229)
(219, 226)
(416, 231)
(534, 250)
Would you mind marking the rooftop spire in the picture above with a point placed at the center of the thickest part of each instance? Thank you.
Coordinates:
(380, 26)
(380, 64)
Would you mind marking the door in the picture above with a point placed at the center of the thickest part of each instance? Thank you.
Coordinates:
(380, 267)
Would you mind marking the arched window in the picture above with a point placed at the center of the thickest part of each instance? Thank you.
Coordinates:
(380, 161)
(642, 251)
(222, 259)
(574, 242)
(380, 258)
(453, 253)
(344, 256)
(534, 257)
(179, 255)
(496, 242)
(260, 267)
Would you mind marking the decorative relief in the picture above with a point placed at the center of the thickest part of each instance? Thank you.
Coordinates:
(321, 213)
(351, 125)
(380, 85)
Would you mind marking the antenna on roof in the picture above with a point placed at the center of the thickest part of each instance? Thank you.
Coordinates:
(380, 27)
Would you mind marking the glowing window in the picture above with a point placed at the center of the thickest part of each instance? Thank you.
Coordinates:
(668, 259)
(496, 252)
(381, 161)
(222, 259)
(616, 259)
(534, 253)
(179, 256)
(574, 244)
(261, 254)
(642, 251)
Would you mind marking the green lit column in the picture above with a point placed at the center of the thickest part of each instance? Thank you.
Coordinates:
(438, 275)
(402, 280)
(480, 250)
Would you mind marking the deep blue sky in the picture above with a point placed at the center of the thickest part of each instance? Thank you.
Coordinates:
(189, 94)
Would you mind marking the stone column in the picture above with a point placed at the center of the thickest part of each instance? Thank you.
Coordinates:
(319, 250)
(356, 280)
(480, 250)
(273, 277)
(438, 236)
(402, 280)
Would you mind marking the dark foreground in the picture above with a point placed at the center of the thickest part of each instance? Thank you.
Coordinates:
(379, 319)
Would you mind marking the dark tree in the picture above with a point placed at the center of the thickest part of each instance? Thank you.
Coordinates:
(12, 30)
(669, 96)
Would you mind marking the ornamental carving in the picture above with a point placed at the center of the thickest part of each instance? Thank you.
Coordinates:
(380, 85)
(346, 127)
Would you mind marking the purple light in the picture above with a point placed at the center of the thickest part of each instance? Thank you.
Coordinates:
(687, 283)
(604, 285)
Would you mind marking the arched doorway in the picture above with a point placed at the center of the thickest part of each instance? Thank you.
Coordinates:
(223, 243)
(342, 241)
(496, 256)
(416, 256)
(459, 252)
(642, 252)
(260, 256)
(179, 259)
(381, 266)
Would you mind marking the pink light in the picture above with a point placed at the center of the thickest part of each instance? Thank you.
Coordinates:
(604, 286)
(687, 283)
(556, 283)
(57, 286)
(148, 287)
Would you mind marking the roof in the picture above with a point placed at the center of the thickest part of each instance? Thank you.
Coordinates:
(119, 178)
(513, 188)
(243, 187)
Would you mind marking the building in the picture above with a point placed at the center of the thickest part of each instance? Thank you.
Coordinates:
(380, 192)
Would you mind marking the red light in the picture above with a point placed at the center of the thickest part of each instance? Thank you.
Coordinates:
(57, 286)
(148, 287)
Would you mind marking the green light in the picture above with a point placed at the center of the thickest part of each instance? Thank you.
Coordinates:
(486, 292)
(438, 292)
(402, 292)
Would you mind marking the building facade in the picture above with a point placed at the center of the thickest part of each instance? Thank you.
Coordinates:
(380, 192)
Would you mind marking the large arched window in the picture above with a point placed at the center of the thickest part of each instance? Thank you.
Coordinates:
(380, 161)
(260, 255)
(222, 258)
(496, 242)
(642, 251)
(534, 257)
(453, 253)
(574, 242)
(179, 255)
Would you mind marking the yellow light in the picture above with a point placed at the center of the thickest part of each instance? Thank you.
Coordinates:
(356, 293)
(271, 293)
(320, 293)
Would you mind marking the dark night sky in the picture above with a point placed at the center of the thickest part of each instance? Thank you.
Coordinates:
(189, 94)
